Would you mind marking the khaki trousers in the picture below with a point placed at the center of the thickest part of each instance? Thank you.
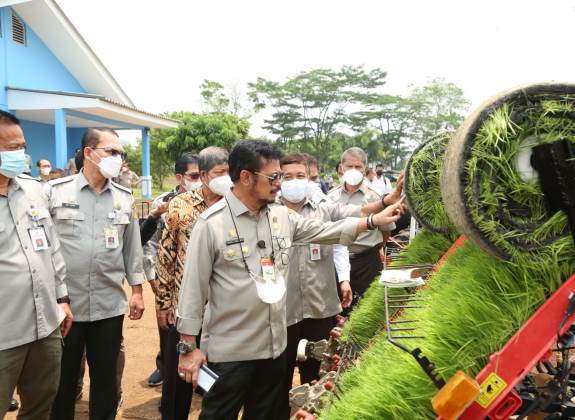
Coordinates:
(35, 369)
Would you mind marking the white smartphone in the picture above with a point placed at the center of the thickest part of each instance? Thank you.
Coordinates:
(206, 378)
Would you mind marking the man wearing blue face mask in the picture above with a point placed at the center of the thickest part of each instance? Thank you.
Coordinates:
(34, 299)
(312, 297)
(101, 246)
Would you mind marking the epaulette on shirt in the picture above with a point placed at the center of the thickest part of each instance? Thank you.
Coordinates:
(369, 187)
(27, 177)
(121, 187)
(213, 209)
(334, 189)
(61, 180)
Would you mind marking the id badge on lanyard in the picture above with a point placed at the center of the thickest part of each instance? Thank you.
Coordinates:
(315, 252)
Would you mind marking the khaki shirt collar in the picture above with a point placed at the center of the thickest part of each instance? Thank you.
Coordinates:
(363, 188)
(237, 207)
(83, 182)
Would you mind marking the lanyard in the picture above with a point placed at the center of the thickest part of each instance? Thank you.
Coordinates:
(239, 236)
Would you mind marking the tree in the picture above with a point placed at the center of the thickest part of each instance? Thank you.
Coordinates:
(436, 107)
(214, 97)
(161, 166)
(312, 106)
(392, 117)
(197, 131)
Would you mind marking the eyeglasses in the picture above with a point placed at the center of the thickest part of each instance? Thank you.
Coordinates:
(193, 175)
(273, 177)
(111, 151)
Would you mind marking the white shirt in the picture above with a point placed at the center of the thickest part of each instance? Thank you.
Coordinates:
(382, 184)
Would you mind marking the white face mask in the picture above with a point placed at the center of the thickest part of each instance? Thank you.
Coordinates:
(110, 166)
(192, 185)
(220, 185)
(294, 190)
(352, 177)
(45, 171)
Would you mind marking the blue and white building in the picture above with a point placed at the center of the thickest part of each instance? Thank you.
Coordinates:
(54, 83)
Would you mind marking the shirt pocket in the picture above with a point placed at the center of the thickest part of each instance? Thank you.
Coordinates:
(233, 253)
(68, 221)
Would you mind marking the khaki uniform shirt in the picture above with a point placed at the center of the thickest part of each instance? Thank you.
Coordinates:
(311, 282)
(31, 280)
(241, 326)
(364, 195)
(95, 274)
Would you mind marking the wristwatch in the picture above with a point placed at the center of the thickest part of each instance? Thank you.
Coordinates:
(185, 347)
(65, 299)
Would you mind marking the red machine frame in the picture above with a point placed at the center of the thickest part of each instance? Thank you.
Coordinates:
(532, 344)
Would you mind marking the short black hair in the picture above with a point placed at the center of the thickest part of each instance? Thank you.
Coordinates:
(250, 155)
(91, 137)
(57, 171)
(182, 163)
(378, 165)
(7, 118)
(38, 163)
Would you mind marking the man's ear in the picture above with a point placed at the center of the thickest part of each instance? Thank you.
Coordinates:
(204, 177)
(245, 177)
(179, 178)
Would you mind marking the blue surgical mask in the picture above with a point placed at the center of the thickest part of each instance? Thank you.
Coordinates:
(12, 163)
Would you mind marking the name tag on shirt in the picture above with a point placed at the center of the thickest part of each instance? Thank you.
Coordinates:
(315, 252)
(38, 238)
(71, 205)
(268, 272)
(111, 237)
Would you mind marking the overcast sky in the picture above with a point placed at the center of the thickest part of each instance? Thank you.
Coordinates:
(161, 51)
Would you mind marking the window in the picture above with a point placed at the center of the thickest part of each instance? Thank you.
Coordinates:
(18, 30)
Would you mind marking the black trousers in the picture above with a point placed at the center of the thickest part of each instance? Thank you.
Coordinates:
(102, 342)
(176, 393)
(364, 269)
(254, 384)
(160, 357)
(312, 330)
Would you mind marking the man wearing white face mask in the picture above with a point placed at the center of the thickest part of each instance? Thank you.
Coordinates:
(101, 246)
(364, 252)
(312, 297)
(44, 167)
(182, 214)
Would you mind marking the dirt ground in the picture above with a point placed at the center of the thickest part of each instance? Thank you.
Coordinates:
(141, 341)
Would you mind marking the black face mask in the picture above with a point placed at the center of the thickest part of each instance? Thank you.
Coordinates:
(379, 173)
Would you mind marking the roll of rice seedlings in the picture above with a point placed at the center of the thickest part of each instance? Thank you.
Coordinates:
(476, 303)
(369, 316)
(490, 190)
(422, 186)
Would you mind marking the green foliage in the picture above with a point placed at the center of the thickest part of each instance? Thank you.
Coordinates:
(197, 131)
(476, 302)
(436, 107)
(422, 186)
(161, 166)
(312, 106)
(321, 110)
(369, 316)
(214, 96)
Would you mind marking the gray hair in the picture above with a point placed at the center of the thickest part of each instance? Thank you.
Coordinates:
(212, 156)
(355, 152)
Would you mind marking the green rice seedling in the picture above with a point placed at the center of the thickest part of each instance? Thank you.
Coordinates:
(369, 316)
(491, 192)
(422, 186)
(476, 303)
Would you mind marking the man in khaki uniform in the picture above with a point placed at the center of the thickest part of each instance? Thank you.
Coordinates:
(101, 246)
(34, 299)
(312, 297)
(237, 262)
(364, 252)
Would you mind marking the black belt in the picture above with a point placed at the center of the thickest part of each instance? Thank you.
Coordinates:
(369, 252)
